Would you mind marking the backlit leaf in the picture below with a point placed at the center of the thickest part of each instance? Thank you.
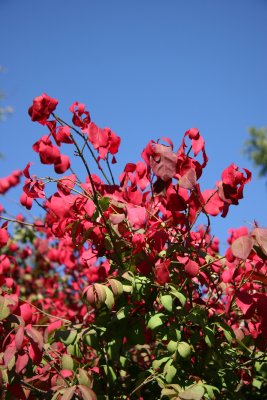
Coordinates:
(242, 247)
(189, 179)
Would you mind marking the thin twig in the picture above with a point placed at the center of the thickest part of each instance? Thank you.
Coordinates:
(45, 313)
(20, 222)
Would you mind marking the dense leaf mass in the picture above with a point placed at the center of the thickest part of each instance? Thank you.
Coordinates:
(117, 293)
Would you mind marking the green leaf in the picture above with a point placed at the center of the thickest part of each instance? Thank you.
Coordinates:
(184, 349)
(127, 288)
(194, 392)
(90, 337)
(211, 391)
(167, 302)
(178, 334)
(113, 348)
(121, 314)
(257, 383)
(227, 330)
(178, 295)
(74, 350)
(128, 276)
(109, 298)
(84, 378)
(169, 371)
(104, 203)
(157, 363)
(170, 393)
(67, 362)
(209, 336)
(155, 321)
(172, 346)
(67, 337)
(109, 371)
(140, 284)
(197, 315)
(5, 307)
(108, 243)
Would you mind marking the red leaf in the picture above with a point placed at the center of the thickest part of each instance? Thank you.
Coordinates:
(98, 137)
(3, 237)
(162, 273)
(242, 247)
(193, 133)
(198, 145)
(246, 303)
(36, 336)
(19, 337)
(22, 361)
(213, 203)
(62, 164)
(191, 268)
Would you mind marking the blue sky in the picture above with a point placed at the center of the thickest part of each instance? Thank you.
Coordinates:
(146, 69)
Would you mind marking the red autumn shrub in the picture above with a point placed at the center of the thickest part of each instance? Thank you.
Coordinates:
(116, 294)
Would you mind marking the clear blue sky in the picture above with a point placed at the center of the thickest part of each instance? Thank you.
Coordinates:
(146, 68)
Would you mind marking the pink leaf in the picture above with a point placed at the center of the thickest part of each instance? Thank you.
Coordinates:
(136, 216)
(188, 180)
(242, 247)
(163, 162)
(260, 235)
(22, 361)
(68, 393)
(87, 393)
(116, 219)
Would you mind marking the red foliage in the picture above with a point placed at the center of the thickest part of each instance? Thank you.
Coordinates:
(113, 240)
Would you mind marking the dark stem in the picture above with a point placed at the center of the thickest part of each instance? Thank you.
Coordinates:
(110, 171)
(85, 142)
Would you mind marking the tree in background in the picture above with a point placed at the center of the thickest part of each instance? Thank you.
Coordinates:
(256, 148)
